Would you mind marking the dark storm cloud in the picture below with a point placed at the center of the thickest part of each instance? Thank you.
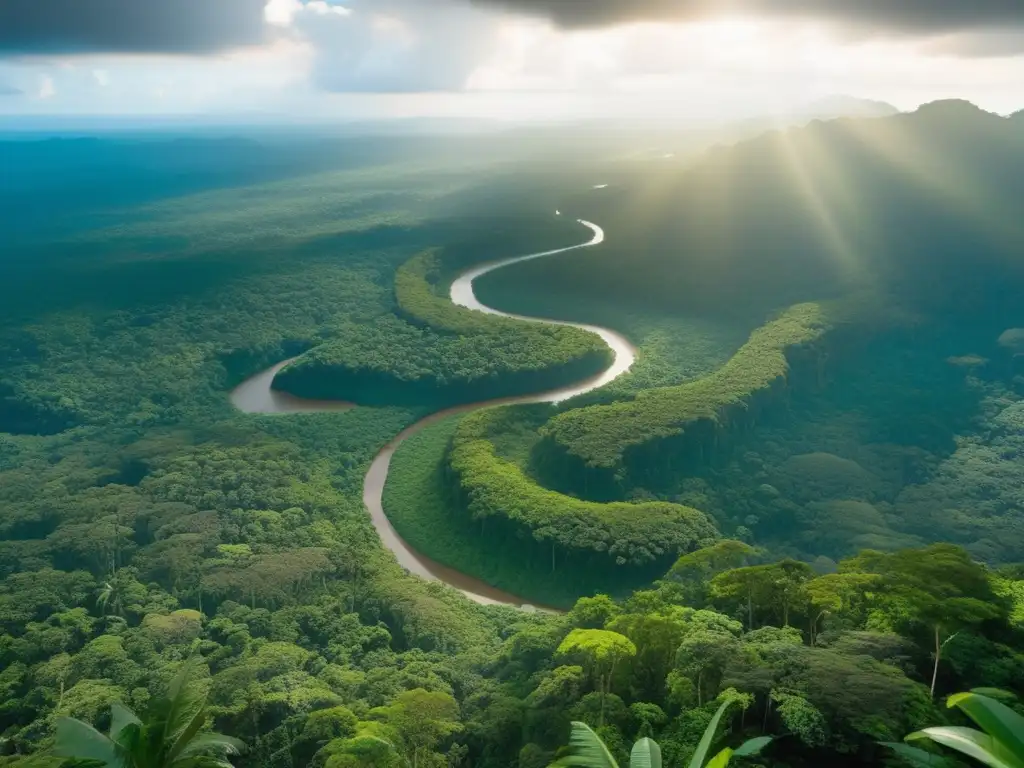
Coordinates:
(895, 16)
(128, 26)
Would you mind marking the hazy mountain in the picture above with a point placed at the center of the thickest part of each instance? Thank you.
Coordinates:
(840, 105)
(688, 140)
(828, 108)
(925, 202)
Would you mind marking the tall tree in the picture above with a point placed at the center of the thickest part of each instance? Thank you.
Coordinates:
(939, 587)
(694, 570)
(838, 595)
(776, 587)
(657, 635)
(704, 653)
(422, 720)
(602, 650)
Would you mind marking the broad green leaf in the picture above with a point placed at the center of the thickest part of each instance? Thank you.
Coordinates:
(80, 740)
(645, 754)
(970, 742)
(709, 735)
(586, 750)
(120, 718)
(996, 719)
(921, 758)
(721, 759)
(995, 693)
(752, 746)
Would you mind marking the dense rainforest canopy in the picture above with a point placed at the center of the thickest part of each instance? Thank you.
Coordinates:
(435, 353)
(834, 553)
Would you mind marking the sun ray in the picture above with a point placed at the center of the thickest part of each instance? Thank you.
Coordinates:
(947, 178)
(811, 184)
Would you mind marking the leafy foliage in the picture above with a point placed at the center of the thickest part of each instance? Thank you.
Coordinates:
(641, 534)
(586, 750)
(999, 743)
(439, 354)
(170, 733)
(600, 436)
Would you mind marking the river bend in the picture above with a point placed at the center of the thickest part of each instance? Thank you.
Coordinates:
(256, 395)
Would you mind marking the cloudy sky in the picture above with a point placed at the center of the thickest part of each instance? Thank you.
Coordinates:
(512, 59)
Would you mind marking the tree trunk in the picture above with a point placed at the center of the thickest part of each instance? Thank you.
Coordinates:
(814, 627)
(603, 684)
(938, 656)
(700, 680)
(750, 610)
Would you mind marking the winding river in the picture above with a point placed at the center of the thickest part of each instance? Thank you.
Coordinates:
(256, 395)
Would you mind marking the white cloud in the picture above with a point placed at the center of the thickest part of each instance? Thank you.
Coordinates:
(102, 77)
(396, 46)
(281, 13)
(322, 8)
(47, 89)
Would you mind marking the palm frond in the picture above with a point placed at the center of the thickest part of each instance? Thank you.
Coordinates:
(186, 736)
(586, 750)
(645, 754)
(186, 699)
(216, 744)
(202, 761)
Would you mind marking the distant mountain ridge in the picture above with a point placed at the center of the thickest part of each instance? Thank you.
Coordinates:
(924, 203)
(847, 106)
(951, 109)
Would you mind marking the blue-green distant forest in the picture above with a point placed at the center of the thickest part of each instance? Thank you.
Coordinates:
(805, 498)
